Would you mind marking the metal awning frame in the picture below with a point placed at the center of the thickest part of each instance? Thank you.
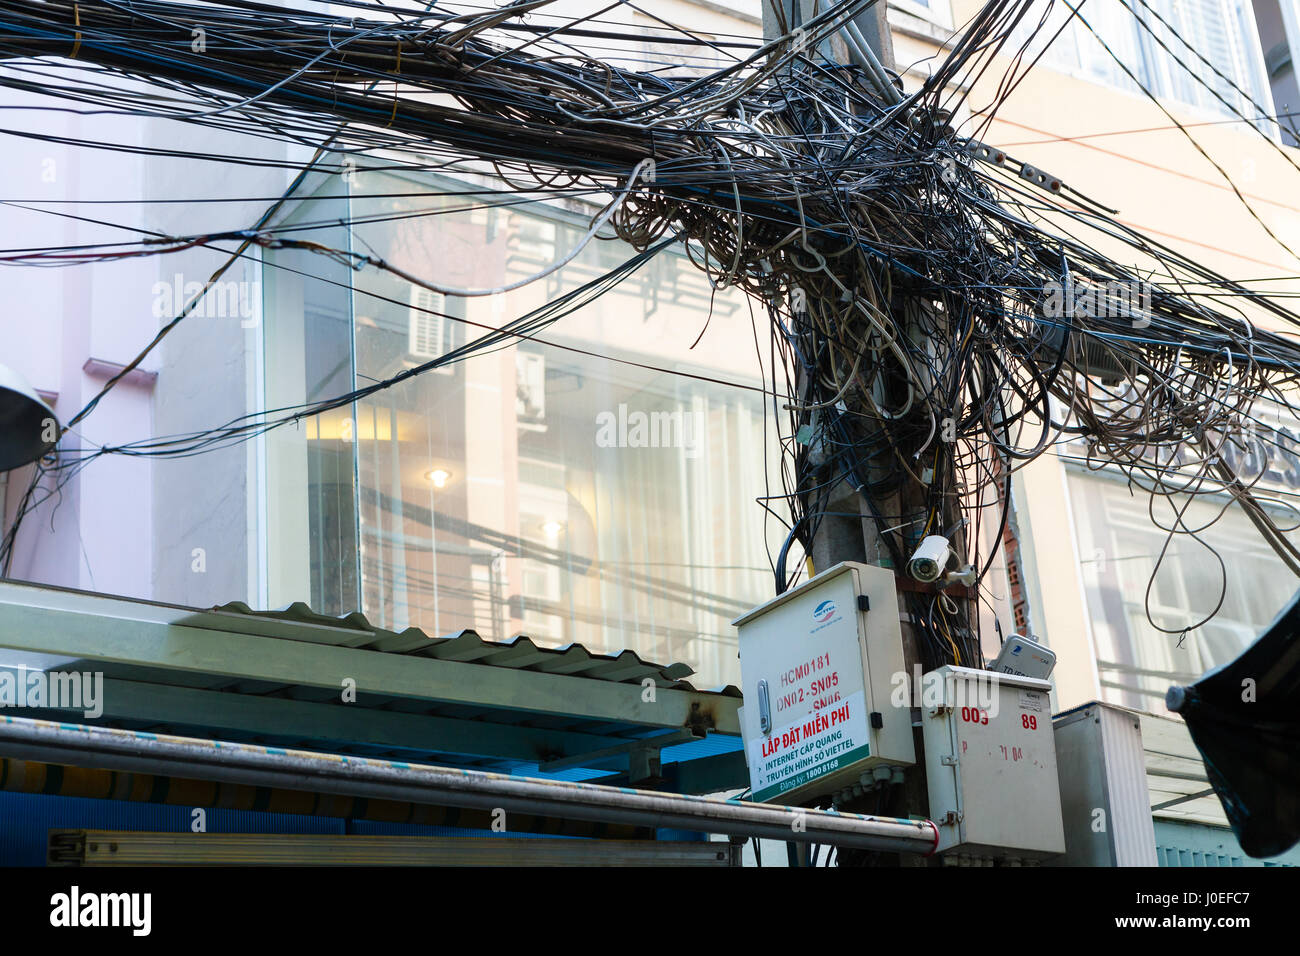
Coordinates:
(100, 747)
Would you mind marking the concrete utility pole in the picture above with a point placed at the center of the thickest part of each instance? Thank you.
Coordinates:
(781, 16)
(840, 536)
(850, 531)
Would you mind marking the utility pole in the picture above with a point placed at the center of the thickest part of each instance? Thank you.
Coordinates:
(782, 16)
(840, 536)
(851, 528)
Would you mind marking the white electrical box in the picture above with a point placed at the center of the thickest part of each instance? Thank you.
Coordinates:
(818, 666)
(990, 764)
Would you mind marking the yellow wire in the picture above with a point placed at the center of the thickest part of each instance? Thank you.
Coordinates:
(943, 625)
(76, 18)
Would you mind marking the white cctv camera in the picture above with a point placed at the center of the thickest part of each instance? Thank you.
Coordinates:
(930, 559)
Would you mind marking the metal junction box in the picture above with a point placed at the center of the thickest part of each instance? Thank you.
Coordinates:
(818, 665)
(990, 764)
(1105, 798)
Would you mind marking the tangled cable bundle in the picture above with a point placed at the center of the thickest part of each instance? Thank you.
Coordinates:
(940, 310)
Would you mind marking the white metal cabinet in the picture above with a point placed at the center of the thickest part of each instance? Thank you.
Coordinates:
(990, 761)
(820, 668)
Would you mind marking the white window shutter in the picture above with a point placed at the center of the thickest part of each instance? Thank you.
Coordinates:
(530, 395)
(427, 325)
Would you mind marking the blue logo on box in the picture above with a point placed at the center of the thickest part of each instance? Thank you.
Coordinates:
(824, 611)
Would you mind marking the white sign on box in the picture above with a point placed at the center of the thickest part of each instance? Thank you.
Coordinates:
(817, 663)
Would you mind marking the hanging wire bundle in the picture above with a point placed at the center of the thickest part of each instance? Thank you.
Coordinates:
(941, 312)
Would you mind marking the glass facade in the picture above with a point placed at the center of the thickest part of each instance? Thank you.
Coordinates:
(1118, 549)
(597, 483)
(1202, 53)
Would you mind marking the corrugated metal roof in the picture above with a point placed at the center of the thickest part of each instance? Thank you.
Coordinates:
(233, 672)
(299, 622)
(1176, 775)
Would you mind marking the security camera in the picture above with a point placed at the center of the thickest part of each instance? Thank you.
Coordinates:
(930, 559)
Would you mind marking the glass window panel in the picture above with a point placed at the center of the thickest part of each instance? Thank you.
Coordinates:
(311, 513)
(1138, 661)
(1113, 22)
(569, 487)
(1217, 47)
(1221, 68)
